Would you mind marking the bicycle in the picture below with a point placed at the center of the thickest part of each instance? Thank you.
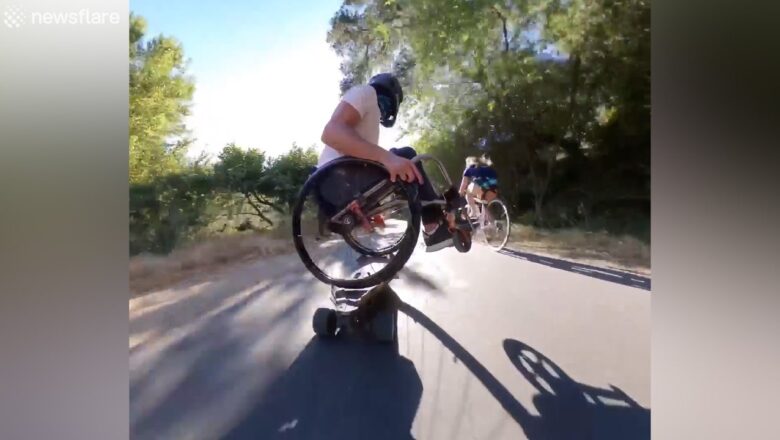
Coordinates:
(493, 221)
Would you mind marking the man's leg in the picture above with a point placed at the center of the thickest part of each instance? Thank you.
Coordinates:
(435, 231)
(431, 214)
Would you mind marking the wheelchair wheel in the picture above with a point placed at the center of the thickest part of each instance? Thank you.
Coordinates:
(365, 244)
(349, 216)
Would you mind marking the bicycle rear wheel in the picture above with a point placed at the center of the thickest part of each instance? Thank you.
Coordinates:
(497, 225)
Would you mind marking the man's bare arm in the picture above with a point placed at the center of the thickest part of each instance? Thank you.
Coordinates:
(340, 134)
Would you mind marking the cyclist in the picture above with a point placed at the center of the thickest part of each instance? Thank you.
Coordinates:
(353, 130)
(479, 181)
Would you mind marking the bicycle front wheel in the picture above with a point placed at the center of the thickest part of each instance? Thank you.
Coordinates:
(497, 224)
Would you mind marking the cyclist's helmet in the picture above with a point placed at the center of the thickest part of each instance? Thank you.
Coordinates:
(389, 96)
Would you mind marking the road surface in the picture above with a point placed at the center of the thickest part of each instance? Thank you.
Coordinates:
(490, 346)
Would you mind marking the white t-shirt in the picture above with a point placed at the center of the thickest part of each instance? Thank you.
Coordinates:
(364, 99)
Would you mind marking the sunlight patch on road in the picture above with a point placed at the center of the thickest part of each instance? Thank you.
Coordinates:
(613, 402)
(140, 338)
(153, 301)
(289, 425)
(550, 370)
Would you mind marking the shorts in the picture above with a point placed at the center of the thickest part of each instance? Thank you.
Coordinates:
(483, 188)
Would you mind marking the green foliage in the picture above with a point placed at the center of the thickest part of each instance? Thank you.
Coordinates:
(240, 170)
(173, 209)
(290, 171)
(557, 92)
(160, 94)
(173, 198)
(246, 172)
(169, 210)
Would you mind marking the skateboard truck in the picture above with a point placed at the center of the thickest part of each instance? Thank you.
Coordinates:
(367, 312)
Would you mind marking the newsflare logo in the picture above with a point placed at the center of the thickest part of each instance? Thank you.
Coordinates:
(15, 17)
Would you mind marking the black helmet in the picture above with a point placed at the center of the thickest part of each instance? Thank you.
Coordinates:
(389, 96)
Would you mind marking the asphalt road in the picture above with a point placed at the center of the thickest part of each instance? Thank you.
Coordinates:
(490, 346)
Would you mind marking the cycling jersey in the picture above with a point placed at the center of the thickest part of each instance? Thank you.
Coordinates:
(483, 176)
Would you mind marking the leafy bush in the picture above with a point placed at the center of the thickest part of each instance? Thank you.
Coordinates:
(168, 211)
(174, 209)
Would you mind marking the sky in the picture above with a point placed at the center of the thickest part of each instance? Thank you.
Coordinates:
(264, 75)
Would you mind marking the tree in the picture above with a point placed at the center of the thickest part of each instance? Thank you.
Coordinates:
(556, 91)
(245, 171)
(170, 210)
(160, 95)
(289, 172)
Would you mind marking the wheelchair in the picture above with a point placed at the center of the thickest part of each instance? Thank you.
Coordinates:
(354, 230)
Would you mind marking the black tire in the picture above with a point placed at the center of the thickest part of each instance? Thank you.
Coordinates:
(405, 247)
(499, 206)
(324, 322)
(462, 240)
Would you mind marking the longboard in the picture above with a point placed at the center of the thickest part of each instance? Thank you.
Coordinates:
(371, 310)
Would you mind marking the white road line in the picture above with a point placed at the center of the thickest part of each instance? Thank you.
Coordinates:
(583, 269)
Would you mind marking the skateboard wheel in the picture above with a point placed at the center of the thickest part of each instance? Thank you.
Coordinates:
(383, 326)
(462, 240)
(324, 322)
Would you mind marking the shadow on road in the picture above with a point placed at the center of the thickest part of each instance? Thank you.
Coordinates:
(338, 389)
(346, 388)
(568, 410)
(611, 275)
(194, 298)
(420, 279)
(203, 375)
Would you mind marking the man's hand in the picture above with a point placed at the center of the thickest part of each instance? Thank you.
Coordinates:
(400, 167)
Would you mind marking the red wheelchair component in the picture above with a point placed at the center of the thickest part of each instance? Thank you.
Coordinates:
(354, 208)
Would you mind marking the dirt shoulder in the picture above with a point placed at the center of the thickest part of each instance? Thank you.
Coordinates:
(600, 249)
(153, 272)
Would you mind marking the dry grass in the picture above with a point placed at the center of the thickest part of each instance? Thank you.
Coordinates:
(597, 248)
(151, 272)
